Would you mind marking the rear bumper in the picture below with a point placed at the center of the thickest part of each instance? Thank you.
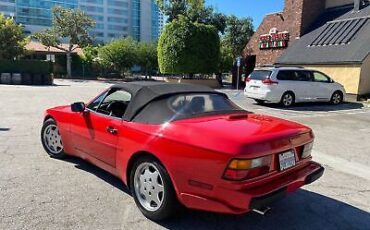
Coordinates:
(264, 201)
(266, 96)
(240, 199)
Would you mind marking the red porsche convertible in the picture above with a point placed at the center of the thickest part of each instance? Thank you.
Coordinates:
(179, 145)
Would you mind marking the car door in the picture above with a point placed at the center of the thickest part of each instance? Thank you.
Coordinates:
(309, 91)
(322, 86)
(95, 132)
(295, 81)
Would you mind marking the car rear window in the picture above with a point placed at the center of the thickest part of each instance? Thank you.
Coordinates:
(260, 75)
(182, 106)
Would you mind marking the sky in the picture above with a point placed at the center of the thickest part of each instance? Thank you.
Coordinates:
(255, 9)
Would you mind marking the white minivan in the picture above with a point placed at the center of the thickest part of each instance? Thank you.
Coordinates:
(289, 85)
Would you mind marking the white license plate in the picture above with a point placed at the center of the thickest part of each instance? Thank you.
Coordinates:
(286, 160)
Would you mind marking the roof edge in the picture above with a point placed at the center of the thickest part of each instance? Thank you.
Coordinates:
(322, 63)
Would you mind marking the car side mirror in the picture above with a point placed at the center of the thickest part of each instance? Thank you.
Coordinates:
(78, 107)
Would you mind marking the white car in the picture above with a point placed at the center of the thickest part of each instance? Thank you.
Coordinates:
(289, 85)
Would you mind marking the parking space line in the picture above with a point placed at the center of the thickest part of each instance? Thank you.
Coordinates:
(340, 164)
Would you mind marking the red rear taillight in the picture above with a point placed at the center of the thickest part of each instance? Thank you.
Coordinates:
(248, 79)
(239, 169)
(269, 82)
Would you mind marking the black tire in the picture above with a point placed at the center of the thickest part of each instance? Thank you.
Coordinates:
(336, 98)
(170, 205)
(288, 99)
(59, 153)
(259, 102)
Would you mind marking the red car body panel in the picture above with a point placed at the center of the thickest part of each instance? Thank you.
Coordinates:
(195, 152)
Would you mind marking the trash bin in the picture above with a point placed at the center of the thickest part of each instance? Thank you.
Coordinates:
(37, 79)
(26, 79)
(6, 78)
(16, 79)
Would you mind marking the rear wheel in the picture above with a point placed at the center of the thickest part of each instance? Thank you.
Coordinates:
(337, 98)
(51, 139)
(288, 99)
(152, 189)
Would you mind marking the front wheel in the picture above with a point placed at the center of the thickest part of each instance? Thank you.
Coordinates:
(51, 139)
(152, 189)
(337, 98)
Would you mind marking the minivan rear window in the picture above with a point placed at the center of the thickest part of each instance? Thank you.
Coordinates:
(260, 75)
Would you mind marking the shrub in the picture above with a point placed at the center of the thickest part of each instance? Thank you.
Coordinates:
(188, 48)
(25, 66)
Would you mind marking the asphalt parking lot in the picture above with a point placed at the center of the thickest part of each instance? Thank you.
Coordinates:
(37, 192)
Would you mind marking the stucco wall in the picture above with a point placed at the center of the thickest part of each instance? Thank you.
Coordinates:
(347, 75)
(334, 3)
(365, 77)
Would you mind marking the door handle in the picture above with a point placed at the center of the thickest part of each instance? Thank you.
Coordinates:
(112, 130)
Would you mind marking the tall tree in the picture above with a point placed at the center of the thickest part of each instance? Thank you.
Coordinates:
(172, 8)
(120, 54)
(12, 38)
(193, 10)
(188, 48)
(237, 34)
(147, 57)
(70, 26)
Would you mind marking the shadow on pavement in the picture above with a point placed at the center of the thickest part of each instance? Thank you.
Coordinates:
(318, 107)
(300, 210)
(100, 173)
(4, 129)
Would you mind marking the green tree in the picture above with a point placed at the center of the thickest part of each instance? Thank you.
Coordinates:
(89, 54)
(71, 26)
(119, 54)
(237, 34)
(147, 57)
(12, 38)
(226, 58)
(172, 8)
(194, 10)
(188, 48)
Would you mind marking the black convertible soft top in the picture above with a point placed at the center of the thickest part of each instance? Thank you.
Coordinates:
(142, 93)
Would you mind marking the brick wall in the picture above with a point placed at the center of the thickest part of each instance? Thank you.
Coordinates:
(297, 17)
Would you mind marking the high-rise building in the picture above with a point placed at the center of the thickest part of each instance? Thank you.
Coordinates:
(140, 19)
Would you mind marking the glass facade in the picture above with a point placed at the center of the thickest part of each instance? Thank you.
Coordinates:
(114, 18)
(157, 21)
(7, 7)
(38, 12)
(135, 20)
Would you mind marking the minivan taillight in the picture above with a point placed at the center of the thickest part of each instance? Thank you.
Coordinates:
(240, 169)
(269, 82)
(248, 79)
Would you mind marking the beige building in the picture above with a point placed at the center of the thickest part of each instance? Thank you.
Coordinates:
(338, 44)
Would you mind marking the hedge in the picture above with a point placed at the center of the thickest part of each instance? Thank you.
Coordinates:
(25, 66)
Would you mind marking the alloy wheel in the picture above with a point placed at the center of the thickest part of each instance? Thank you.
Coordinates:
(287, 100)
(52, 139)
(149, 186)
(337, 98)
